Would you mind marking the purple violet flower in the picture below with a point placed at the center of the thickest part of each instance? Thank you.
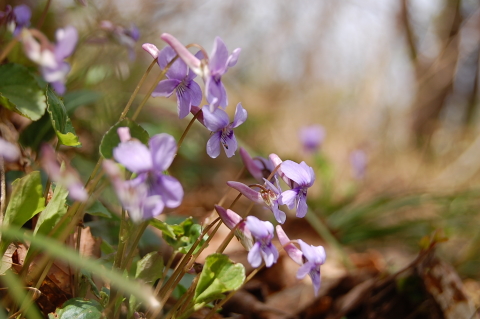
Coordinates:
(64, 174)
(149, 163)
(179, 79)
(51, 57)
(233, 220)
(259, 167)
(131, 196)
(268, 195)
(312, 137)
(211, 70)
(8, 151)
(302, 177)
(310, 258)
(219, 124)
(17, 18)
(263, 248)
(358, 160)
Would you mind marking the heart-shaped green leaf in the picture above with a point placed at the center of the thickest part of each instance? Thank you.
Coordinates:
(111, 140)
(78, 308)
(20, 92)
(219, 275)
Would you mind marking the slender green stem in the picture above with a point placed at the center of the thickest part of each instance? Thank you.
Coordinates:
(184, 300)
(180, 141)
(44, 14)
(49, 181)
(44, 274)
(76, 272)
(165, 272)
(325, 233)
(7, 49)
(181, 266)
(122, 239)
(179, 271)
(17, 292)
(152, 88)
(132, 97)
(3, 190)
(205, 245)
(133, 247)
(210, 236)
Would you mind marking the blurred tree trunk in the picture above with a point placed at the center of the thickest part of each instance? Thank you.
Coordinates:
(473, 98)
(434, 77)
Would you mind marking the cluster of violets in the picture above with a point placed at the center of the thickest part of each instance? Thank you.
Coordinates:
(146, 195)
(183, 68)
(150, 191)
(49, 56)
(256, 235)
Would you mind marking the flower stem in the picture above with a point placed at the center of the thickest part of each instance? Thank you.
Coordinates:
(7, 49)
(49, 181)
(152, 88)
(184, 300)
(165, 271)
(44, 14)
(179, 271)
(210, 236)
(134, 94)
(3, 189)
(141, 229)
(180, 141)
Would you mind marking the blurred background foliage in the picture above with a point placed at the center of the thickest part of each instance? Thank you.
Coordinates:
(396, 79)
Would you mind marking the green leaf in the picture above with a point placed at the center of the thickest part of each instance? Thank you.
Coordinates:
(26, 200)
(185, 235)
(111, 140)
(219, 275)
(78, 308)
(20, 92)
(60, 120)
(150, 267)
(166, 229)
(97, 209)
(54, 211)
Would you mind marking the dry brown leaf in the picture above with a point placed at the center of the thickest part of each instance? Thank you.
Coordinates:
(445, 286)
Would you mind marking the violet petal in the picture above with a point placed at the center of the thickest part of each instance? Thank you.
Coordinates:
(254, 256)
(230, 145)
(240, 116)
(134, 155)
(165, 88)
(215, 121)
(213, 145)
(219, 57)
(163, 148)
